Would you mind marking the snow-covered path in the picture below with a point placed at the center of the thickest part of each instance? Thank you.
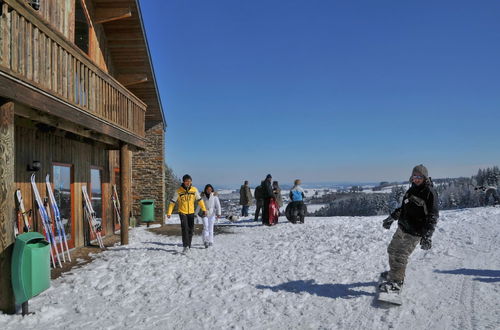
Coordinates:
(320, 275)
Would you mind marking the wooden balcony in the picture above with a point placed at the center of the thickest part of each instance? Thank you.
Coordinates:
(42, 60)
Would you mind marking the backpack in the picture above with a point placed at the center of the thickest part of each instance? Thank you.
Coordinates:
(258, 192)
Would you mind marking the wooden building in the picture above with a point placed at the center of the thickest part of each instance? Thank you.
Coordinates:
(78, 95)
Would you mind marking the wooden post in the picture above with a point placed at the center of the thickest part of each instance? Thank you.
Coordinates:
(126, 187)
(7, 207)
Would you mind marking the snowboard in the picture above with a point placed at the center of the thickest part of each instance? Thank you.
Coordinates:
(274, 212)
(388, 297)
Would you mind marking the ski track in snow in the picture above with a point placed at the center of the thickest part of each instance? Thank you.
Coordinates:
(320, 275)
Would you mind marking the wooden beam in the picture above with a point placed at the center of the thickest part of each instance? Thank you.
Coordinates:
(132, 79)
(104, 15)
(35, 98)
(126, 190)
(7, 207)
(38, 116)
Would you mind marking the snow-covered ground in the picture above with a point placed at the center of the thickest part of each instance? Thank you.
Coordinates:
(320, 275)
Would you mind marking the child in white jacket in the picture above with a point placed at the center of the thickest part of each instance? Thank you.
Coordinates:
(212, 204)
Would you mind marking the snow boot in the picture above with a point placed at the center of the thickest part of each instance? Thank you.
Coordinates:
(391, 286)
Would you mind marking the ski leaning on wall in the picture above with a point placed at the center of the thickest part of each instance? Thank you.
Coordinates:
(49, 235)
(22, 211)
(116, 204)
(95, 227)
(61, 233)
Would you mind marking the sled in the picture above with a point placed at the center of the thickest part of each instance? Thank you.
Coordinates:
(295, 212)
(274, 212)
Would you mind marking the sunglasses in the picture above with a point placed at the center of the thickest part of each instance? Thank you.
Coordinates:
(417, 177)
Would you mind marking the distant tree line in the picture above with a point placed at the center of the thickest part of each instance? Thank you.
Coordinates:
(172, 182)
(454, 193)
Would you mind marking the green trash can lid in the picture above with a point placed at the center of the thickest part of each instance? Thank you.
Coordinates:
(30, 237)
(147, 201)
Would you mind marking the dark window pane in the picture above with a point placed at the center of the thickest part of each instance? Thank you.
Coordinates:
(62, 195)
(96, 193)
(81, 28)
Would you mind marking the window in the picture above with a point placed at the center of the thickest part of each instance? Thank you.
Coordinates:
(35, 4)
(62, 195)
(96, 193)
(82, 27)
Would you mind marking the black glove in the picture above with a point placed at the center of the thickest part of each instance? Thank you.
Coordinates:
(395, 215)
(425, 243)
(387, 222)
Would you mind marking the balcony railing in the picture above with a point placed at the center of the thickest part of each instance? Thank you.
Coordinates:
(31, 51)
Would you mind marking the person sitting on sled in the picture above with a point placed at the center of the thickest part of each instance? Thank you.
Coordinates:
(296, 209)
(417, 218)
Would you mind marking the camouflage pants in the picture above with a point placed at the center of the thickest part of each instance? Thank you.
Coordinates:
(400, 248)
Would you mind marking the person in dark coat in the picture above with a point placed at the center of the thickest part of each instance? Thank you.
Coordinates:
(258, 201)
(245, 198)
(267, 195)
(417, 218)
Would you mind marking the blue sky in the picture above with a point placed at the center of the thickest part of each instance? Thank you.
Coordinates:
(326, 90)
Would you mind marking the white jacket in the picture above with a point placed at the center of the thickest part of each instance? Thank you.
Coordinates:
(212, 204)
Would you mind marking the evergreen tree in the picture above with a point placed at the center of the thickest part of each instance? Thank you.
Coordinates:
(172, 182)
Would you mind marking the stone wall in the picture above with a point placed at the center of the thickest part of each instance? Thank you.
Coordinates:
(148, 173)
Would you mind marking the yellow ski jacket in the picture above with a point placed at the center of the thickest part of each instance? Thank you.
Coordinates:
(185, 199)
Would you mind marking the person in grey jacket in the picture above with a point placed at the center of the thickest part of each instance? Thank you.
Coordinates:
(277, 193)
(245, 199)
(417, 218)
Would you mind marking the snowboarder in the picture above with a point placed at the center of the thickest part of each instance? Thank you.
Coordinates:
(185, 197)
(417, 218)
(267, 196)
(258, 201)
(245, 198)
(296, 210)
(212, 204)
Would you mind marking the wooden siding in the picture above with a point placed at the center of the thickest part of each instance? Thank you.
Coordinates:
(32, 52)
(128, 48)
(49, 146)
(60, 14)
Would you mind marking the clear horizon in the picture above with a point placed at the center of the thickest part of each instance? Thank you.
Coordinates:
(326, 91)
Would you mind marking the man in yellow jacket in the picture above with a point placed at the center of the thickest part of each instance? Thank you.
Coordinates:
(185, 197)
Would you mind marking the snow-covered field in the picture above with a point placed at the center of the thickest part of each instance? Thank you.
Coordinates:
(320, 275)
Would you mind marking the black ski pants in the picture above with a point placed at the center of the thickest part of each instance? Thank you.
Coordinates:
(258, 207)
(265, 211)
(187, 226)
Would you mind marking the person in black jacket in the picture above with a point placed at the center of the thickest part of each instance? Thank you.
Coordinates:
(417, 218)
(258, 201)
(267, 194)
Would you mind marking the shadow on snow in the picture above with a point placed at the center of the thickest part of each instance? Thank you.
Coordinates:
(486, 275)
(344, 291)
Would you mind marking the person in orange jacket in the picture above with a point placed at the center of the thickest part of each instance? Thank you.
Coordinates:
(185, 197)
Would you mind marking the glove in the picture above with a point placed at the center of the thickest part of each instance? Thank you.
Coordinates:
(395, 215)
(425, 243)
(387, 222)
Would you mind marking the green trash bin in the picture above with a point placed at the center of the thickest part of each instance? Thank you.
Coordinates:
(147, 210)
(30, 266)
